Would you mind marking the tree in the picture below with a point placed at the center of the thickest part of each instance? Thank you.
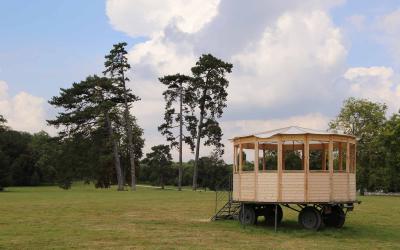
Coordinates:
(177, 94)
(214, 173)
(3, 122)
(365, 120)
(116, 66)
(5, 171)
(5, 178)
(138, 144)
(87, 107)
(389, 140)
(160, 160)
(44, 153)
(21, 158)
(69, 159)
(208, 86)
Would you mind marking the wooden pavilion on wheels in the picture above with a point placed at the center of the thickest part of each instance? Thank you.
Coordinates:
(312, 172)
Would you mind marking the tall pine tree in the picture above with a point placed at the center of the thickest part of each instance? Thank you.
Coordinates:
(209, 86)
(116, 67)
(178, 114)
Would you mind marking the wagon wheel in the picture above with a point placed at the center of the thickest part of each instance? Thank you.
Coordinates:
(335, 218)
(310, 218)
(269, 215)
(247, 215)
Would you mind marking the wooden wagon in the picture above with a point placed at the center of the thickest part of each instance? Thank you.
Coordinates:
(312, 172)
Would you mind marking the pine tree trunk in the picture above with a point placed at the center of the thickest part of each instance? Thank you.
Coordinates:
(180, 142)
(162, 181)
(117, 161)
(131, 155)
(128, 129)
(196, 160)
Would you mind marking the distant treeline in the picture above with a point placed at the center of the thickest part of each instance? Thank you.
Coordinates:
(39, 159)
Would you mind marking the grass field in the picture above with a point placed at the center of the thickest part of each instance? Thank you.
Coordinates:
(83, 217)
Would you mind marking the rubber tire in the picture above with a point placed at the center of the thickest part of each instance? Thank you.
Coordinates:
(247, 216)
(310, 218)
(336, 218)
(269, 215)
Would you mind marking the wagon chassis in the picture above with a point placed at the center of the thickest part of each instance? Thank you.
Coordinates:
(311, 215)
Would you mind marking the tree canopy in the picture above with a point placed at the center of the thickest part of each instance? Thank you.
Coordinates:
(208, 86)
(365, 120)
(117, 65)
(160, 160)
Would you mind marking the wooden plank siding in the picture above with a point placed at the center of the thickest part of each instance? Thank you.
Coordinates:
(352, 187)
(339, 187)
(235, 187)
(293, 187)
(267, 188)
(318, 187)
(247, 186)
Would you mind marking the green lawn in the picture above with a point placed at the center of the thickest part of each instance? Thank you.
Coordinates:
(84, 217)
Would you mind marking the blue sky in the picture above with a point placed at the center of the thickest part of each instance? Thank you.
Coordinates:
(365, 50)
(294, 62)
(48, 44)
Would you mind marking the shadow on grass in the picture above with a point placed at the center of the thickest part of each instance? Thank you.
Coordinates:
(6, 191)
(292, 228)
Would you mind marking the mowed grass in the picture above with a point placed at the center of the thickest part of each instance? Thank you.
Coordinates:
(85, 217)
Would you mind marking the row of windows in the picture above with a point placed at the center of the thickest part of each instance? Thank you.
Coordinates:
(294, 158)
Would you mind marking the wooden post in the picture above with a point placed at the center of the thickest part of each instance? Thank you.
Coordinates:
(355, 157)
(340, 156)
(240, 158)
(306, 156)
(303, 156)
(240, 169)
(347, 157)
(234, 158)
(263, 161)
(330, 155)
(280, 160)
(256, 166)
(283, 156)
(348, 168)
(323, 157)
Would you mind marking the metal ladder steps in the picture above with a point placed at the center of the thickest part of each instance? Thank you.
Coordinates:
(228, 211)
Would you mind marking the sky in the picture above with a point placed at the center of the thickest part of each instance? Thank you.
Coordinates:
(295, 61)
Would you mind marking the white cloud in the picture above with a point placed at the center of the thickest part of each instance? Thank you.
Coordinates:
(144, 18)
(296, 60)
(375, 83)
(3, 90)
(389, 24)
(160, 56)
(357, 21)
(23, 111)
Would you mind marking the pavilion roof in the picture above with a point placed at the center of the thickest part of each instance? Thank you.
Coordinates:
(293, 130)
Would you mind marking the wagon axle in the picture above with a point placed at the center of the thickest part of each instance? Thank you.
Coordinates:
(313, 217)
